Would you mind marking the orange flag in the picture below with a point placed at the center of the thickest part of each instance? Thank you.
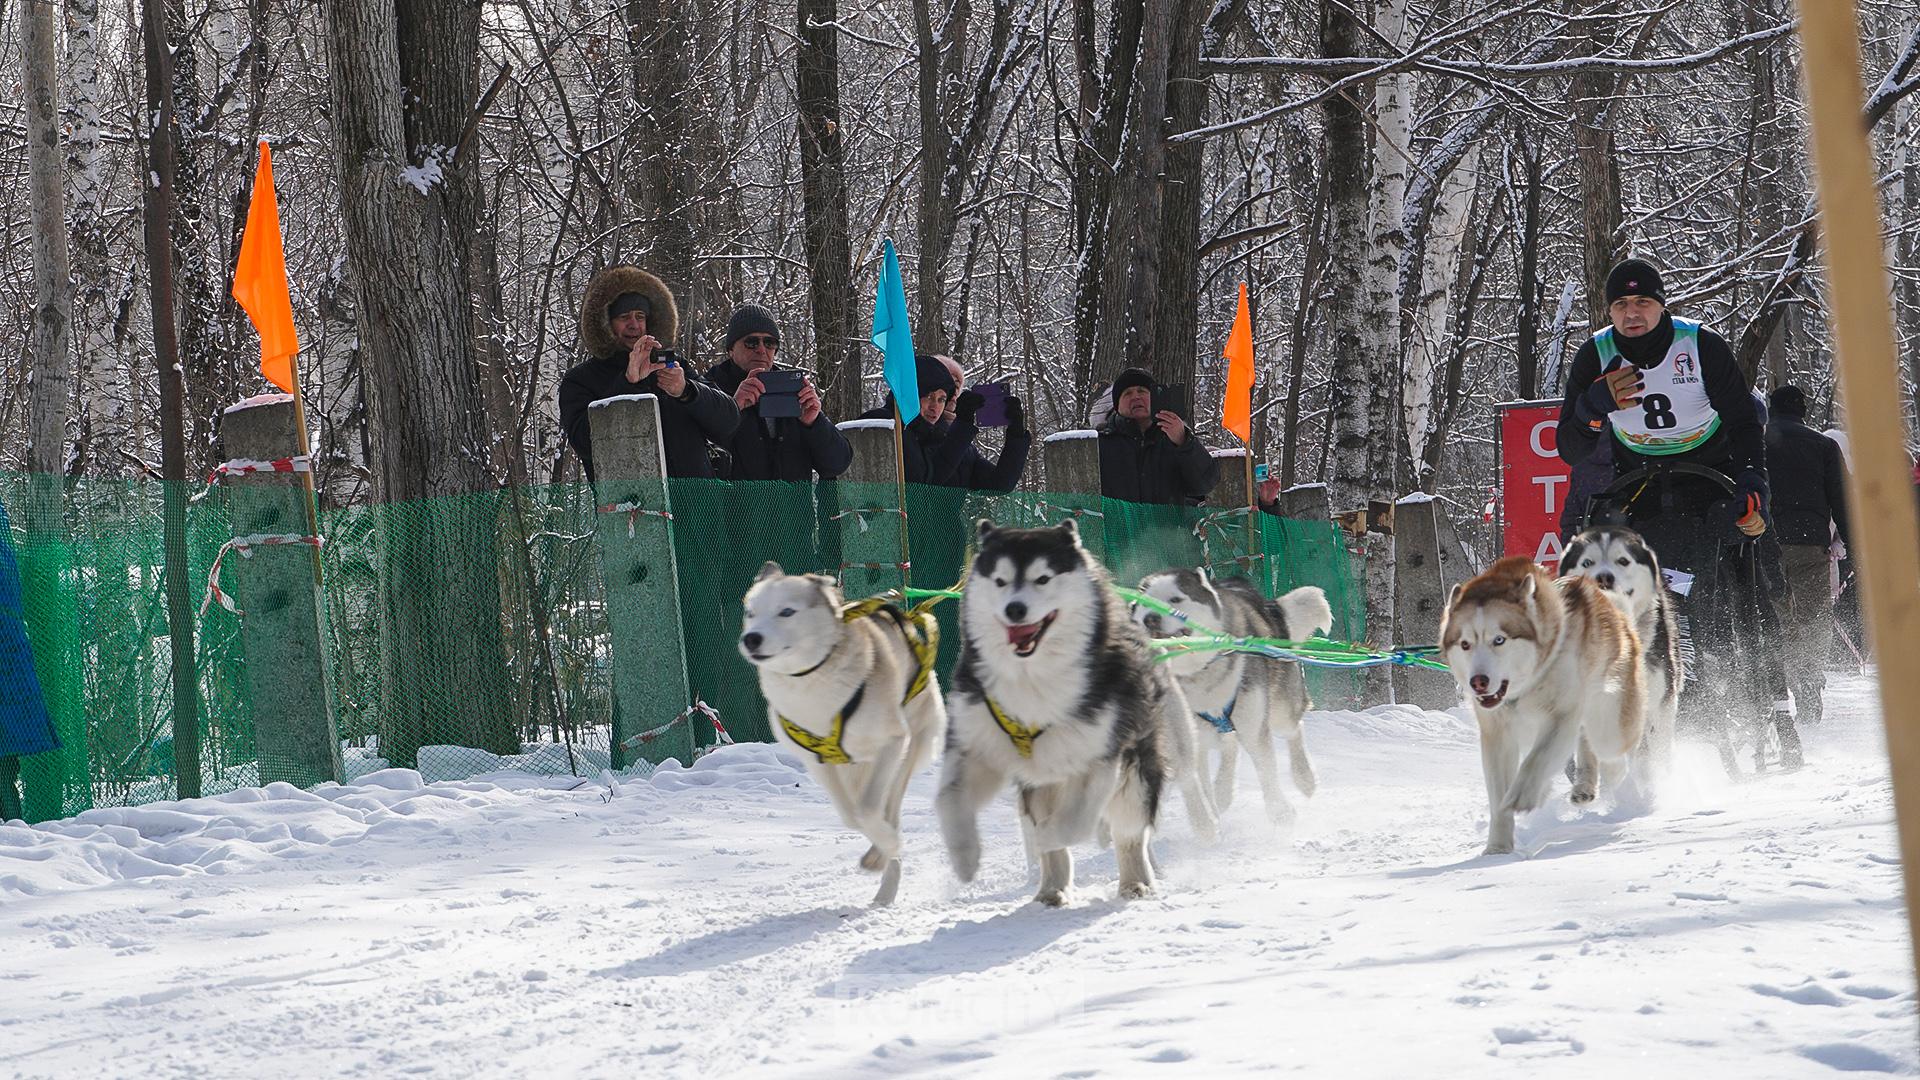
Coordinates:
(1237, 412)
(260, 280)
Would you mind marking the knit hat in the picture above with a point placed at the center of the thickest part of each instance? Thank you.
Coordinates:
(932, 374)
(1129, 379)
(750, 319)
(1635, 277)
(1788, 401)
(629, 301)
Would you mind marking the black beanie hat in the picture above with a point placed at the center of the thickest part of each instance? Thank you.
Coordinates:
(1130, 378)
(932, 374)
(750, 319)
(1790, 400)
(1635, 277)
(629, 301)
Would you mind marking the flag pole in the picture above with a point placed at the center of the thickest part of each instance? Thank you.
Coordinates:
(303, 446)
(900, 487)
(1878, 486)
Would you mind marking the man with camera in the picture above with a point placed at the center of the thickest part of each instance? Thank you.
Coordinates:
(1148, 454)
(624, 317)
(783, 434)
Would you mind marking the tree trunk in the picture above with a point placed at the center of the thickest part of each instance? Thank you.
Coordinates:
(662, 179)
(1593, 117)
(1175, 344)
(1131, 275)
(104, 404)
(49, 355)
(823, 181)
(405, 194)
(1532, 291)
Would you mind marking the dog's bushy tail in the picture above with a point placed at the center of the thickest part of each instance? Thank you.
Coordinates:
(1307, 612)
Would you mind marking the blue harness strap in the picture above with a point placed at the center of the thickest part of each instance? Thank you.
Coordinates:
(1223, 721)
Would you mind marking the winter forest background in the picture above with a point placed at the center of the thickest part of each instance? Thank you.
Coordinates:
(1423, 196)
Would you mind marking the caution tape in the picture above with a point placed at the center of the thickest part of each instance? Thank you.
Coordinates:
(245, 545)
(634, 512)
(634, 742)
(297, 463)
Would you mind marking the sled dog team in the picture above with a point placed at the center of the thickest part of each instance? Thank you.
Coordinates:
(1057, 692)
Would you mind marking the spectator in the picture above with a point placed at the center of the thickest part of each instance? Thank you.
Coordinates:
(624, 316)
(921, 443)
(24, 725)
(1149, 458)
(1808, 475)
(776, 448)
(965, 466)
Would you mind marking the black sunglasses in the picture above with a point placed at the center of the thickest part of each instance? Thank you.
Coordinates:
(759, 341)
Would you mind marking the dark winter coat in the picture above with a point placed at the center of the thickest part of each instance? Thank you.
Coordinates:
(782, 448)
(700, 415)
(921, 447)
(1146, 467)
(1738, 445)
(1808, 476)
(965, 466)
(24, 725)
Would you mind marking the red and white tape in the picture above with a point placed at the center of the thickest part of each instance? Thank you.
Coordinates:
(634, 742)
(245, 545)
(634, 512)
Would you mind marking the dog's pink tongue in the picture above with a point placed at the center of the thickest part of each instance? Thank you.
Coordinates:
(1019, 636)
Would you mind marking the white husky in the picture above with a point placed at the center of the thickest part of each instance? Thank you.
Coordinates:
(855, 698)
(1056, 690)
(1241, 698)
(1621, 563)
(1546, 664)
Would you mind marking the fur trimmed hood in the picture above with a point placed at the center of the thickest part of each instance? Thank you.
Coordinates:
(596, 333)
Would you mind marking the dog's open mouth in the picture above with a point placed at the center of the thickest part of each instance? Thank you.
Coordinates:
(1025, 637)
(1488, 701)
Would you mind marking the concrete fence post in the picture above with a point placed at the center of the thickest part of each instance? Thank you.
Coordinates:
(272, 574)
(634, 532)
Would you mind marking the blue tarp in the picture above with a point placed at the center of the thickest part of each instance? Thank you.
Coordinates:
(25, 727)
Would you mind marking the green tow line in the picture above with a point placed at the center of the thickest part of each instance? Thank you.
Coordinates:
(1317, 651)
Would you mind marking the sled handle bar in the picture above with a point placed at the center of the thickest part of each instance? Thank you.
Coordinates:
(1631, 481)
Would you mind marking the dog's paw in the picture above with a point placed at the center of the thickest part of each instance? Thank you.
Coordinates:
(1583, 794)
(1280, 813)
(965, 859)
(1052, 898)
(873, 861)
(1135, 890)
(1498, 849)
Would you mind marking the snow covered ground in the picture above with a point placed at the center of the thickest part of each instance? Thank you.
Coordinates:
(711, 920)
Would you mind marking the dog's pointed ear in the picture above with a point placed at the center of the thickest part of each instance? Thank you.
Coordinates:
(830, 590)
(1070, 530)
(1530, 586)
(768, 569)
(1454, 596)
(983, 529)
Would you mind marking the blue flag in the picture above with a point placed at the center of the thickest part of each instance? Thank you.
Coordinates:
(894, 338)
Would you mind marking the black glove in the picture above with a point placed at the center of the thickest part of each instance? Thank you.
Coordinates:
(1596, 404)
(968, 406)
(1016, 416)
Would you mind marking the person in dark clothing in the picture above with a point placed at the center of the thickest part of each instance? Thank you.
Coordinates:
(922, 443)
(778, 448)
(1146, 458)
(624, 316)
(1808, 477)
(963, 465)
(1669, 390)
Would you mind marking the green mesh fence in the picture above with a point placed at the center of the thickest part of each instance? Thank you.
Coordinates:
(467, 635)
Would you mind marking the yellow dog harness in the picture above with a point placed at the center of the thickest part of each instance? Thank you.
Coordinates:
(1021, 734)
(922, 635)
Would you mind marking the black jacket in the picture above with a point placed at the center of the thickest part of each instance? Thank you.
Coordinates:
(1146, 467)
(686, 425)
(963, 465)
(782, 448)
(1809, 480)
(1737, 446)
(921, 447)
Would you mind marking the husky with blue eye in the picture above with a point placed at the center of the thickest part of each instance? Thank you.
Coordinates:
(1057, 693)
(1626, 569)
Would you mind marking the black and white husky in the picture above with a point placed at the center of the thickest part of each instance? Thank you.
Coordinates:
(856, 700)
(1241, 698)
(1056, 690)
(1622, 564)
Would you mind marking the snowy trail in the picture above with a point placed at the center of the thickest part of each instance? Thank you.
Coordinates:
(711, 919)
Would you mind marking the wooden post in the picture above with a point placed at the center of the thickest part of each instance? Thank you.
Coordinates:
(278, 586)
(1307, 502)
(1232, 490)
(634, 531)
(869, 511)
(1884, 533)
(1427, 563)
(1072, 463)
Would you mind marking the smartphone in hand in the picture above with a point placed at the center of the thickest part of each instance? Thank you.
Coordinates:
(781, 398)
(1173, 399)
(994, 412)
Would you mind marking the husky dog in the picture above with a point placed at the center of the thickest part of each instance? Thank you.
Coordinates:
(1619, 561)
(1241, 698)
(1056, 691)
(855, 698)
(1546, 664)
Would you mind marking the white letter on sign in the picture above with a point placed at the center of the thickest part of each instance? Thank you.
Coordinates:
(1539, 446)
(1551, 483)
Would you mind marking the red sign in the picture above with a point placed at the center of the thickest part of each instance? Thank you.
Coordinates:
(1534, 482)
